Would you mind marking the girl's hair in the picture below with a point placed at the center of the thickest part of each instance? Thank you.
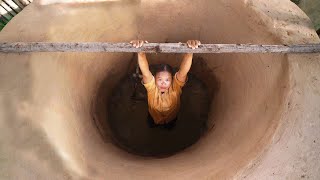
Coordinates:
(163, 67)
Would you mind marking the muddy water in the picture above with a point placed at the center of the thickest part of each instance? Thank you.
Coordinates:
(128, 112)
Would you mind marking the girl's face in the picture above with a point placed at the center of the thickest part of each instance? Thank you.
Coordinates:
(163, 80)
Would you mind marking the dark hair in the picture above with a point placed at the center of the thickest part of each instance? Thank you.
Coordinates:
(163, 67)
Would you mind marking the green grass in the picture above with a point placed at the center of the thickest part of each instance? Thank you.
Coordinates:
(296, 1)
(2, 24)
(312, 9)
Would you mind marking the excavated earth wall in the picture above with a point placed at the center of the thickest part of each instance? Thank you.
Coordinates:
(265, 113)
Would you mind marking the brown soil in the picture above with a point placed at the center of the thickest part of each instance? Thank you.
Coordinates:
(265, 112)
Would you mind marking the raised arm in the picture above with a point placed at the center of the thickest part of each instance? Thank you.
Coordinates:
(143, 62)
(187, 61)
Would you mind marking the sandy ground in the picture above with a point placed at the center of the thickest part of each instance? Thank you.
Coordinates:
(265, 113)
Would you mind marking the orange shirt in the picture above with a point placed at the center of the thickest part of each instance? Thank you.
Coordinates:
(164, 107)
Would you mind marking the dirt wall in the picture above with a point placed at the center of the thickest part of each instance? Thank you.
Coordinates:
(48, 120)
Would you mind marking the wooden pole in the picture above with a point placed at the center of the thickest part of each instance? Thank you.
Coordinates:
(18, 47)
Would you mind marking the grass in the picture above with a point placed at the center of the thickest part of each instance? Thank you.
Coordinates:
(2, 24)
(296, 1)
(4, 21)
(312, 9)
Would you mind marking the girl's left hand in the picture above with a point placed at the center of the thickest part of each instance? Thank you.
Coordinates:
(194, 44)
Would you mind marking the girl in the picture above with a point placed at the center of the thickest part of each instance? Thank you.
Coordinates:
(164, 89)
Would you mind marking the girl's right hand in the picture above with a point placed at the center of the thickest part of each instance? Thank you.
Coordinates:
(137, 43)
(193, 44)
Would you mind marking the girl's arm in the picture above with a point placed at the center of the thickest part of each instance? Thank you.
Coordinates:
(187, 61)
(143, 62)
(144, 67)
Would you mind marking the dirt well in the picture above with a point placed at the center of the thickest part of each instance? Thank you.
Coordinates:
(263, 118)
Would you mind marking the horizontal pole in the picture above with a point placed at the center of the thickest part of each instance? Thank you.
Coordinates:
(18, 47)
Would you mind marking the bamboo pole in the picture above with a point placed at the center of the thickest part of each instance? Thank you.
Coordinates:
(18, 47)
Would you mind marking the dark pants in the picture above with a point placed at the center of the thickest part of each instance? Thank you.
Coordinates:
(170, 125)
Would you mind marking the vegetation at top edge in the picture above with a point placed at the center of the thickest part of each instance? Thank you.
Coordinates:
(3, 23)
(296, 1)
(312, 9)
